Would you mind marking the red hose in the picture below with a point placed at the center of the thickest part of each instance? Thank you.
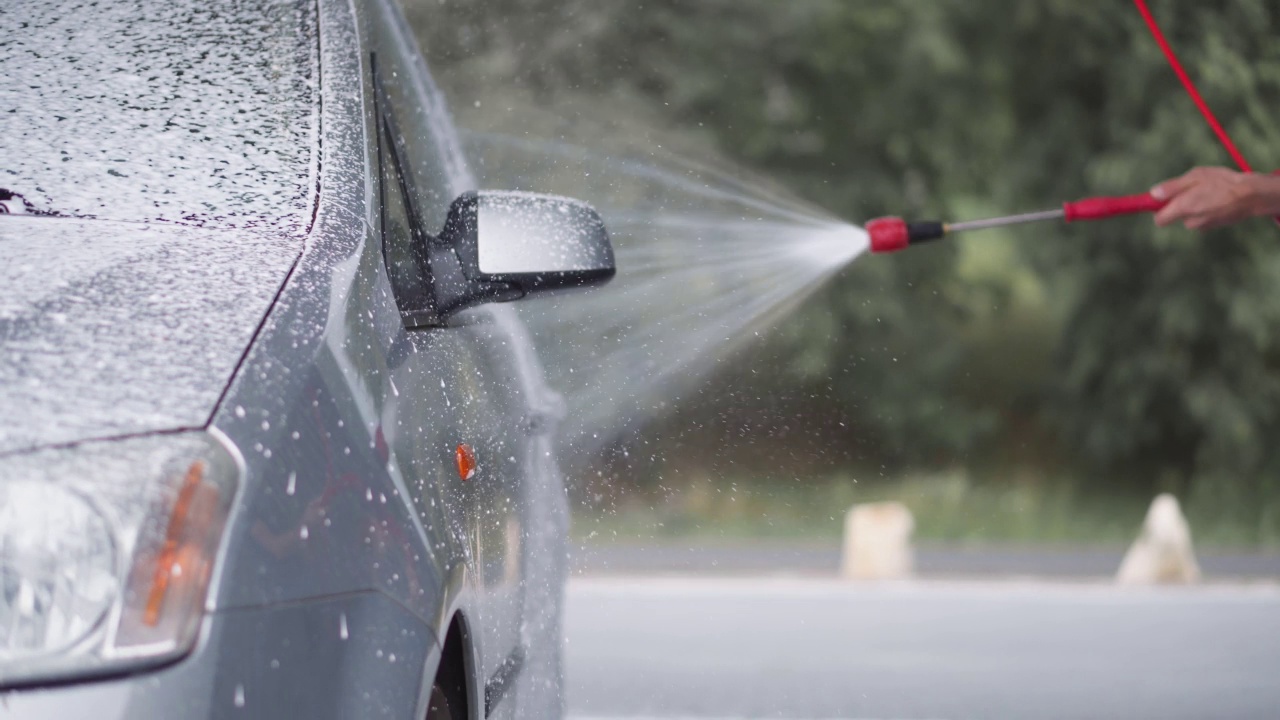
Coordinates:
(1191, 87)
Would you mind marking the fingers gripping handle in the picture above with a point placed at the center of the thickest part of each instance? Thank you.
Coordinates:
(1099, 208)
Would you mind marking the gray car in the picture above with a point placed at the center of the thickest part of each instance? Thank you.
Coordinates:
(269, 444)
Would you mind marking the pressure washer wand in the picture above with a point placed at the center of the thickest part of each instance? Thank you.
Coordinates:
(890, 234)
(1002, 221)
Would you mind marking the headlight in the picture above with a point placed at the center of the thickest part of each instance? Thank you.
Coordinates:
(106, 551)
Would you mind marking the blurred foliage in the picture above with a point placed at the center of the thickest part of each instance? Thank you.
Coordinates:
(948, 506)
(1146, 358)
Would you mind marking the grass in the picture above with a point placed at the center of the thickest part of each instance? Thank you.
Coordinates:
(948, 507)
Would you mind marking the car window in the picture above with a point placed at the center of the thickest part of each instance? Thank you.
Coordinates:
(402, 234)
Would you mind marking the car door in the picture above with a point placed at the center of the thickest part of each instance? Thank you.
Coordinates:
(464, 398)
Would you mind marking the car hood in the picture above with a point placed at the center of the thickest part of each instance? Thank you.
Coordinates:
(113, 328)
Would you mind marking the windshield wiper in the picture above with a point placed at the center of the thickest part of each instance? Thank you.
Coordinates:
(12, 203)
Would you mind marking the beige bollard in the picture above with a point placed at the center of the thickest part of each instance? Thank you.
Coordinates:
(877, 542)
(1162, 554)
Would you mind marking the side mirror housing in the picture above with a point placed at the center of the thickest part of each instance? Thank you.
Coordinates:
(503, 246)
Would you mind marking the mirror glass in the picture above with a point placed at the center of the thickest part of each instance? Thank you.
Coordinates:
(521, 233)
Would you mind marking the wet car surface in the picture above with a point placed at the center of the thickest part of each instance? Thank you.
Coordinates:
(244, 471)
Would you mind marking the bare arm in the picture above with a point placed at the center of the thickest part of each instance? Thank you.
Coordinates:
(1209, 197)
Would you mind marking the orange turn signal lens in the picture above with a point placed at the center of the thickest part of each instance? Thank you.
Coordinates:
(183, 559)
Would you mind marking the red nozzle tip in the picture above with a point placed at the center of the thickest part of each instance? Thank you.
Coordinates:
(888, 234)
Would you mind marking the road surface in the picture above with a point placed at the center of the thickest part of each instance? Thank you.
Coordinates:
(818, 648)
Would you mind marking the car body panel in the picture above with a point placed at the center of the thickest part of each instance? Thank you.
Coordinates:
(114, 328)
(276, 662)
(389, 405)
(225, 95)
(121, 328)
(347, 423)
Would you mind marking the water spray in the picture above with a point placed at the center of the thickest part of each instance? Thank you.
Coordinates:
(890, 234)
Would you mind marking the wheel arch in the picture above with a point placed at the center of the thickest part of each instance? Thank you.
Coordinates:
(457, 670)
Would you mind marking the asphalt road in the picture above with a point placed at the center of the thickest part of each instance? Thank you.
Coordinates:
(818, 648)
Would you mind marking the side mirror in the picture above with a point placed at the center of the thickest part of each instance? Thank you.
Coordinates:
(502, 246)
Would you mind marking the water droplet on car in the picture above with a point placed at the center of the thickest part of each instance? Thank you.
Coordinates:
(292, 484)
(239, 699)
(342, 626)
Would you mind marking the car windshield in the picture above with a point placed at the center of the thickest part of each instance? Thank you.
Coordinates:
(182, 111)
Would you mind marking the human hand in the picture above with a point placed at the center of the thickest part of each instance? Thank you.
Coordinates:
(1209, 197)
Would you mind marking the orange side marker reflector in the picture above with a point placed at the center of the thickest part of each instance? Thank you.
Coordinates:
(466, 458)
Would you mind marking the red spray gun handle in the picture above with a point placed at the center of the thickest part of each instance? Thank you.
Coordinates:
(1099, 208)
(1104, 207)
(890, 234)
